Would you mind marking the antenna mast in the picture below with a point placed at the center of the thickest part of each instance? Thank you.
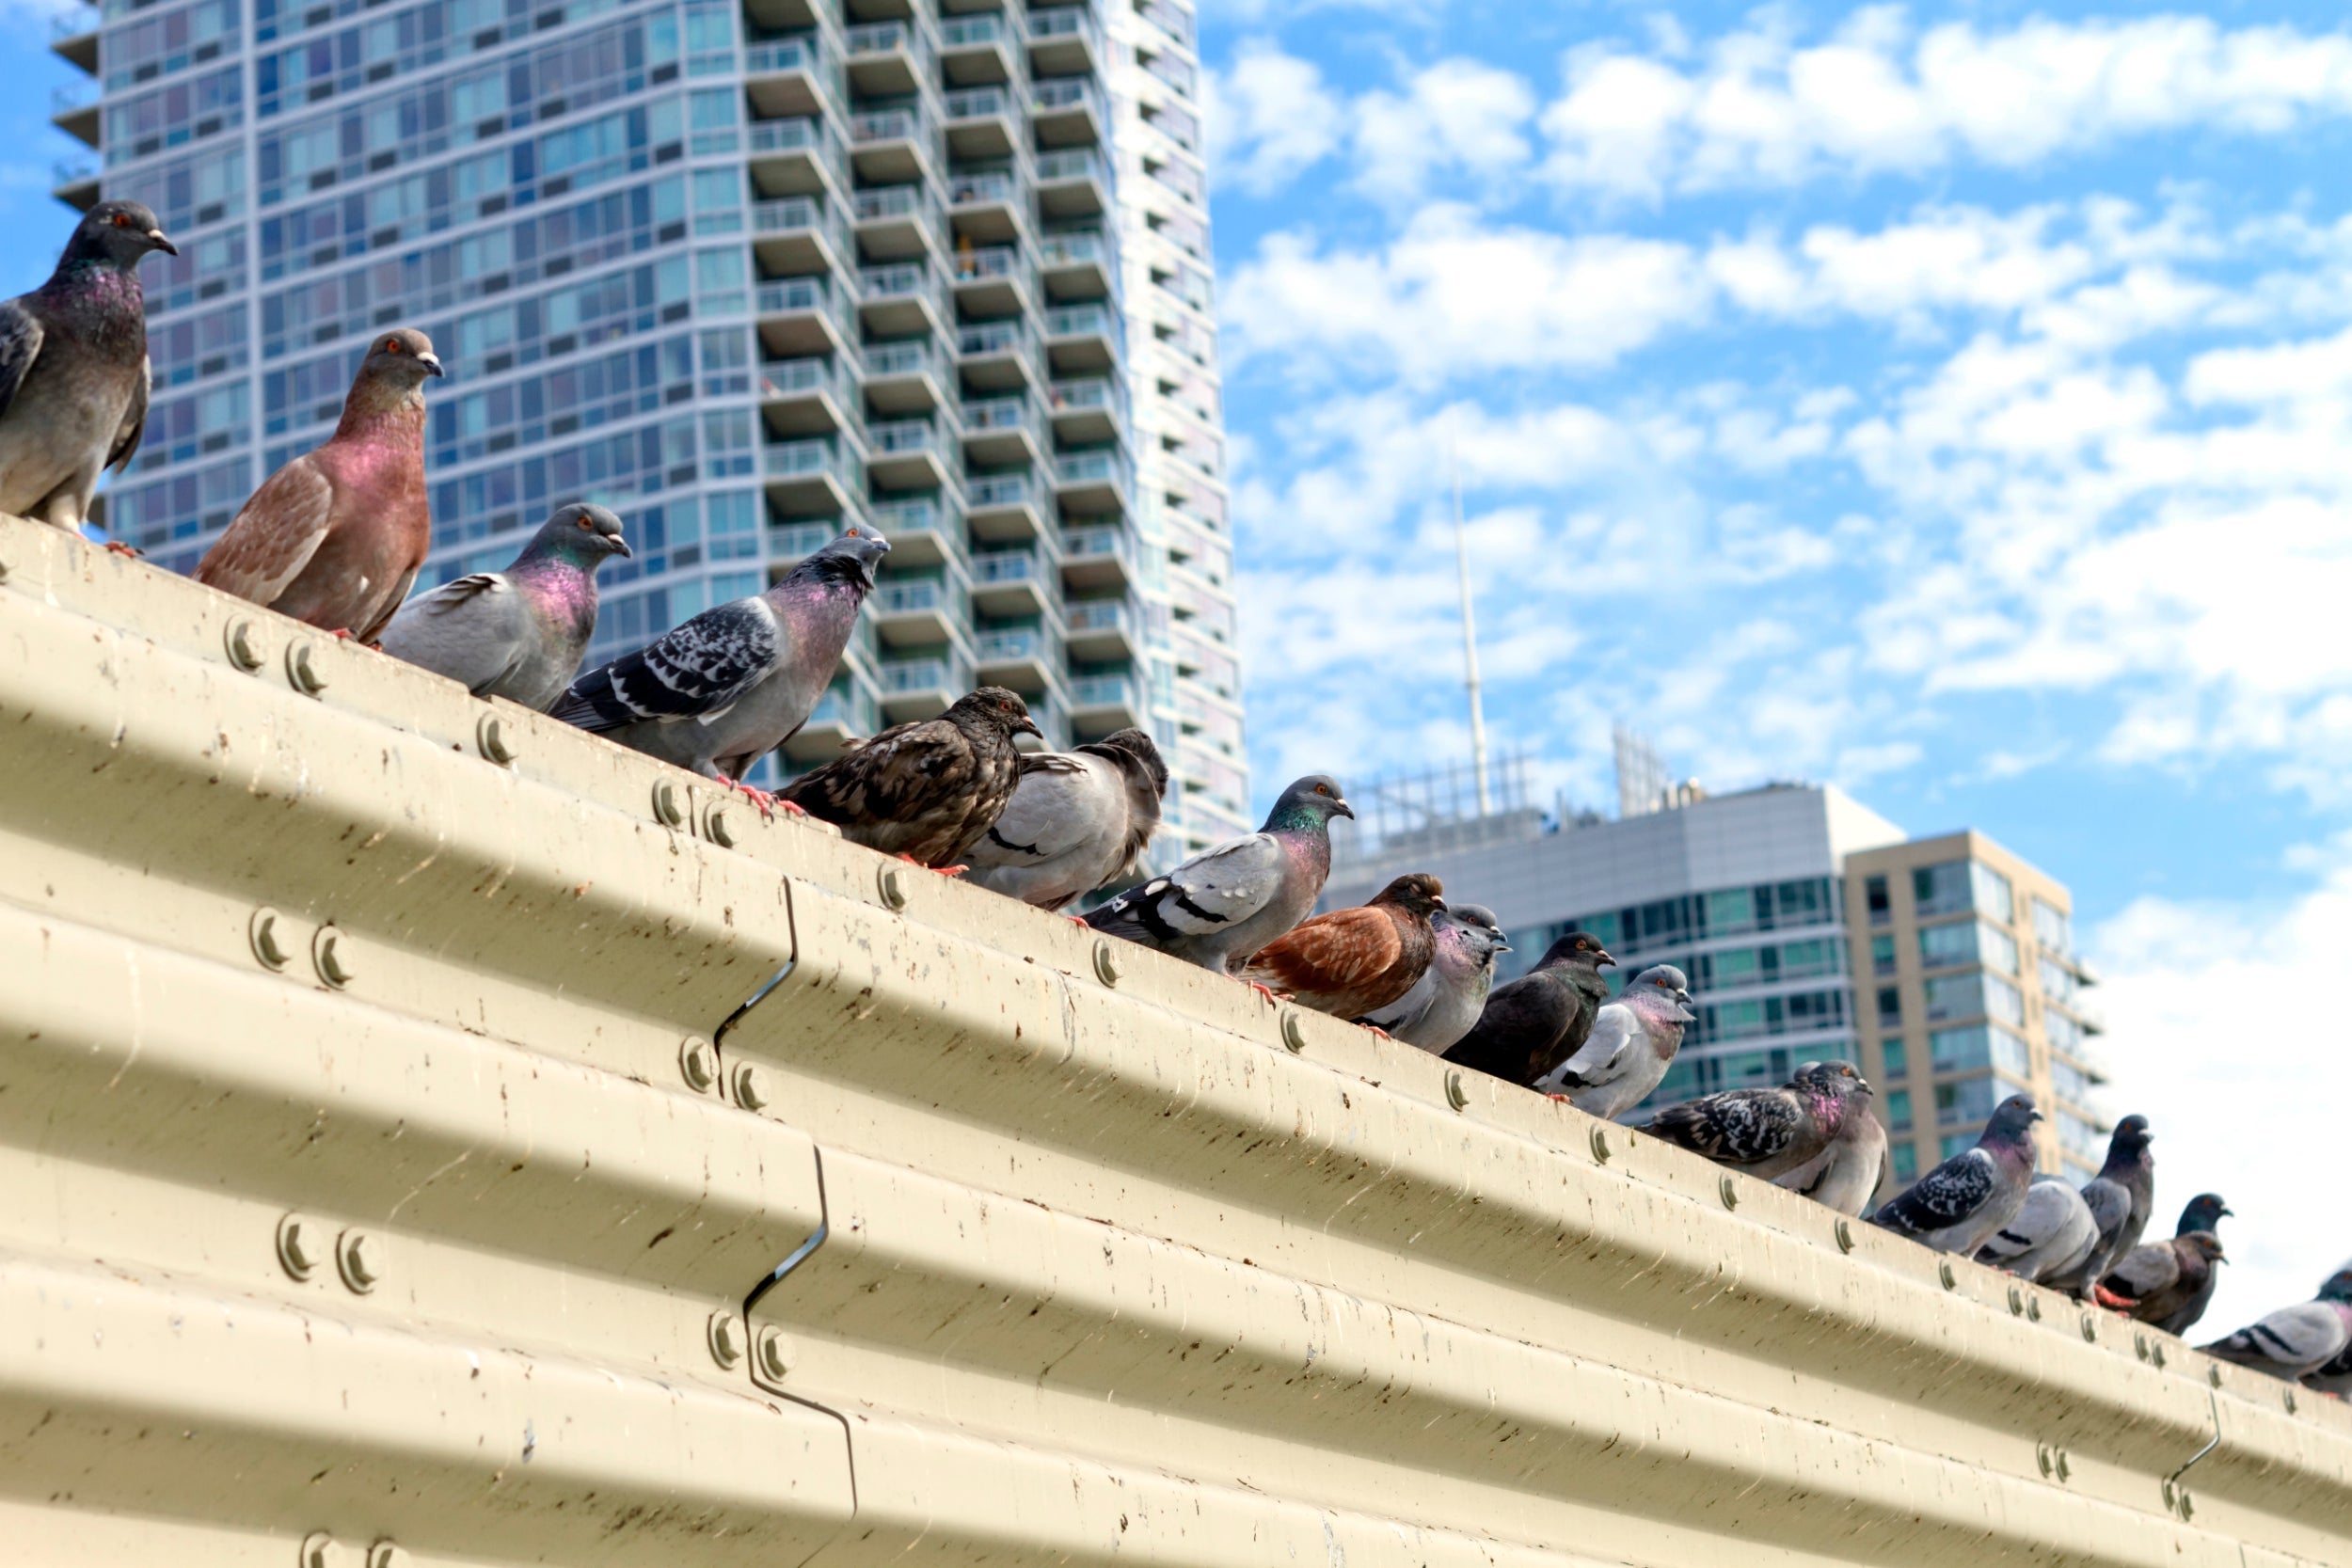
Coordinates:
(1469, 637)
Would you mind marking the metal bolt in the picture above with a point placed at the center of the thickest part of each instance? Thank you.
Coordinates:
(2288, 1395)
(1729, 1194)
(301, 1245)
(725, 1336)
(1106, 963)
(2033, 1309)
(316, 1547)
(2091, 1329)
(665, 806)
(237, 638)
(360, 1259)
(716, 830)
(261, 930)
(384, 1554)
(2043, 1459)
(2063, 1472)
(489, 734)
(2139, 1346)
(2188, 1510)
(776, 1352)
(1455, 1094)
(299, 671)
(2156, 1352)
(1601, 1144)
(886, 883)
(1294, 1032)
(751, 1089)
(2016, 1301)
(1844, 1232)
(2212, 1375)
(327, 953)
(698, 1059)
(1951, 1277)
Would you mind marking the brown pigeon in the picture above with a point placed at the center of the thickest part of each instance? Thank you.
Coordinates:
(335, 537)
(924, 791)
(1350, 962)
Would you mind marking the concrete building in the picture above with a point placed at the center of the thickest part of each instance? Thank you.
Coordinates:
(744, 269)
(1811, 928)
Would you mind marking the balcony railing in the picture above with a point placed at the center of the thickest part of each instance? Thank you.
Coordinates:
(1088, 394)
(790, 296)
(982, 103)
(884, 203)
(1092, 319)
(808, 133)
(784, 379)
(1007, 566)
(921, 514)
(1011, 644)
(72, 21)
(886, 126)
(1076, 163)
(795, 541)
(1065, 92)
(903, 280)
(908, 357)
(903, 675)
(969, 32)
(777, 56)
(1091, 468)
(920, 597)
(993, 414)
(1096, 544)
(898, 437)
(982, 188)
(882, 38)
(989, 260)
(992, 338)
(853, 710)
(79, 93)
(998, 490)
(1090, 615)
(1075, 248)
(1106, 691)
(1063, 22)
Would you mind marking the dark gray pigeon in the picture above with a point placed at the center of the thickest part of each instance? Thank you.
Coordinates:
(516, 634)
(1078, 820)
(1962, 1203)
(1633, 1043)
(2051, 1233)
(1538, 1021)
(1769, 1132)
(1218, 907)
(2296, 1342)
(1452, 991)
(925, 791)
(1845, 1174)
(2120, 1199)
(735, 682)
(2334, 1378)
(74, 374)
(2166, 1283)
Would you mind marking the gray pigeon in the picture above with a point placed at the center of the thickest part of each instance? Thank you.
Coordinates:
(1633, 1043)
(2161, 1282)
(2051, 1233)
(2334, 1378)
(1769, 1132)
(74, 375)
(1540, 1020)
(1452, 991)
(1962, 1203)
(516, 634)
(1078, 820)
(1845, 1174)
(722, 691)
(1218, 907)
(2294, 1341)
(2120, 1199)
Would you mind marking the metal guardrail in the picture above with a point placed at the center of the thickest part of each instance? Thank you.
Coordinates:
(440, 1130)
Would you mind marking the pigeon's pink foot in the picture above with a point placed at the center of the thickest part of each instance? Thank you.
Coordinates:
(1271, 1000)
(760, 798)
(951, 870)
(1375, 1029)
(2108, 1299)
(1561, 1098)
(116, 547)
(340, 634)
(1079, 920)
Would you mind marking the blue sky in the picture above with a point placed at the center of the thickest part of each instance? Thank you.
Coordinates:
(1952, 404)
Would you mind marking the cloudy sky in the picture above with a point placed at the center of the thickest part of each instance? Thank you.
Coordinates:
(1951, 406)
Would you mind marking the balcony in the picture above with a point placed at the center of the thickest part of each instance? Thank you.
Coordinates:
(1021, 658)
(812, 477)
(906, 377)
(810, 396)
(916, 689)
(916, 612)
(905, 300)
(1080, 338)
(1072, 183)
(985, 204)
(799, 157)
(1002, 432)
(1003, 509)
(75, 181)
(1087, 410)
(1101, 704)
(893, 147)
(73, 38)
(896, 222)
(800, 317)
(996, 355)
(790, 77)
(795, 236)
(1104, 631)
(981, 122)
(789, 543)
(991, 280)
(845, 713)
(977, 48)
(906, 454)
(1076, 264)
(1065, 41)
(1068, 113)
(74, 109)
(1101, 558)
(1092, 482)
(887, 60)
(1015, 584)
(921, 531)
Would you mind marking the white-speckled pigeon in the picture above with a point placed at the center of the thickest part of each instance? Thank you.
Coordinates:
(516, 634)
(1633, 1043)
(2171, 1284)
(1452, 991)
(2051, 1233)
(1222, 904)
(2120, 1199)
(74, 375)
(2296, 1341)
(1847, 1175)
(336, 536)
(1078, 820)
(1532, 1025)
(722, 691)
(1769, 1132)
(1957, 1206)
(927, 790)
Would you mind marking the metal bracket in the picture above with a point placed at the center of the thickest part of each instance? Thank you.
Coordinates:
(792, 931)
(2175, 1497)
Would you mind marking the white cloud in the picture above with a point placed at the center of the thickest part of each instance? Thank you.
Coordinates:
(1459, 118)
(1270, 119)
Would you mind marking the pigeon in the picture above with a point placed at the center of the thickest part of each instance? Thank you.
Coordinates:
(1225, 903)
(336, 536)
(2120, 1198)
(1962, 1203)
(1452, 991)
(2166, 1283)
(516, 634)
(2051, 1233)
(924, 791)
(1769, 1132)
(1634, 1041)
(722, 691)
(1350, 962)
(2296, 1341)
(2334, 1378)
(1077, 820)
(1845, 1174)
(73, 372)
(1541, 1018)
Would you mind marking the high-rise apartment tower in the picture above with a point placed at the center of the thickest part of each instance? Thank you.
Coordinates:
(745, 271)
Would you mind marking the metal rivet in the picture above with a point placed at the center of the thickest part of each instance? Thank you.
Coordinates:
(268, 947)
(699, 1061)
(886, 883)
(237, 639)
(301, 1245)
(315, 1546)
(2156, 1352)
(1106, 963)
(489, 734)
(665, 806)
(2212, 1375)
(725, 1336)
(2091, 1329)
(1294, 1032)
(2139, 1346)
(2188, 1510)
(2063, 1471)
(2288, 1394)
(299, 671)
(360, 1259)
(384, 1554)
(1599, 1141)
(2016, 1301)
(716, 830)
(1729, 1194)
(328, 954)
(2033, 1309)
(1951, 1277)
(2042, 1458)
(1455, 1094)
(776, 1354)
(1844, 1232)
(751, 1089)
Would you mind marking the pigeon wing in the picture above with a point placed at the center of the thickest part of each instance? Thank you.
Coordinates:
(1521, 1024)
(2110, 1205)
(1343, 952)
(126, 445)
(898, 777)
(1944, 1197)
(20, 346)
(1059, 804)
(1745, 1127)
(1212, 891)
(475, 629)
(2303, 1335)
(1605, 1055)
(276, 534)
(2144, 1270)
(697, 671)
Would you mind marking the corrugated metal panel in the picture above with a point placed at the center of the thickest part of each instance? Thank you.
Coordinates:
(1042, 1266)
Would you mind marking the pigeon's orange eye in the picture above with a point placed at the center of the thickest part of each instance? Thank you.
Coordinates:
(122, 220)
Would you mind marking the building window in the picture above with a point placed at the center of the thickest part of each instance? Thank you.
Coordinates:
(1906, 1160)
(1967, 942)
(1898, 1111)
(1874, 894)
(2078, 1137)
(1955, 887)
(1969, 1100)
(1969, 995)
(2064, 1032)
(1898, 1061)
(2053, 927)
(1977, 1048)
(1957, 1143)
(1882, 955)
(2057, 981)
(2069, 1081)
(1890, 1006)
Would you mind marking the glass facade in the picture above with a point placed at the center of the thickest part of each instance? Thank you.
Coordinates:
(745, 274)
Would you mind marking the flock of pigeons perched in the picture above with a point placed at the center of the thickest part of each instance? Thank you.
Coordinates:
(337, 536)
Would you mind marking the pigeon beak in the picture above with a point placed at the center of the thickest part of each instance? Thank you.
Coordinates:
(1029, 726)
(1502, 948)
(162, 241)
(1603, 961)
(618, 546)
(1341, 808)
(432, 364)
